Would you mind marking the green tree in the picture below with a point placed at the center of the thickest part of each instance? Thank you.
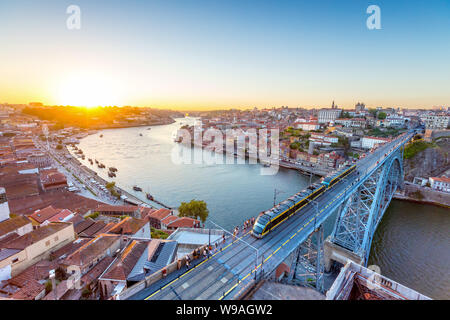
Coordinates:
(195, 208)
(110, 185)
(382, 115)
(295, 145)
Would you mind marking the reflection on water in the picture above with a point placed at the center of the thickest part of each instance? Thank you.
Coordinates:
(411, 245)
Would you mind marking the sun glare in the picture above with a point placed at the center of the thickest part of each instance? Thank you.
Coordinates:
(88, 90)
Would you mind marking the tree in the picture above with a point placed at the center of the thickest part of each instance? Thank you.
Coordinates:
(110, 185)
(295, 145)
(195, 208)
(382, 115)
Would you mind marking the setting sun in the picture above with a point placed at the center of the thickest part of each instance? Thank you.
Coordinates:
(88, 90)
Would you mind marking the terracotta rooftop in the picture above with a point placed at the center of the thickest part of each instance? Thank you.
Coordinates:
(52, 177)
(83, 225)
(129, 226)
(68, 249)
(58, 199)
(86, 253)
(93, 229)
(38, 271)
(125, 263)
(96, 271)
(13, 224)
(146, 211)
(184, 222)
(169, 219)
(41, 215)
(160, 214)
(109, 208)
(441, 179)
(36, 235)
(61, 216)
(29, 291)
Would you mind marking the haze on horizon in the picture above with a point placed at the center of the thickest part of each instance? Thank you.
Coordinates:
(201, 55)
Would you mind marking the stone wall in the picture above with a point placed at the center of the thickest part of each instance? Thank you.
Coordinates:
(413, 192)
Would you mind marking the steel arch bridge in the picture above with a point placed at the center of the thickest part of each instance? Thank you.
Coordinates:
(364, 208)
(360, 201)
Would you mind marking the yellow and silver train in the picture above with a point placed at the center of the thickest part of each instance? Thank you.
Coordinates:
(270, 219)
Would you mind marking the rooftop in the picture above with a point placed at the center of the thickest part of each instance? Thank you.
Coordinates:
(110, 208)
(160, 214)
(36, 235)
(41, 215)
(89, 251)
(129, 226)
(13, 224)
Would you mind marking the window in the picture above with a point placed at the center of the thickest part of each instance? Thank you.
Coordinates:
(56, 238)
(47, 243)
(15, 260)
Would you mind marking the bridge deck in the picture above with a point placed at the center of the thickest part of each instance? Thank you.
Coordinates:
(227, 273)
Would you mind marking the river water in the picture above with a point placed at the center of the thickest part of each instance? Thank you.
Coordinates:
(411, 245)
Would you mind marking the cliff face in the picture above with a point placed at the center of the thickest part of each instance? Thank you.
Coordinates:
(431, 162)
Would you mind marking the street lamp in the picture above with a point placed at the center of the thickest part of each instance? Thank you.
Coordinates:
(317, 210)
(275, 193)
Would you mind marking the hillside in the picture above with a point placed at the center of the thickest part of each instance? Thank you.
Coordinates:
(431, 162)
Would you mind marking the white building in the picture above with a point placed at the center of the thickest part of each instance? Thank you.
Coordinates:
(440, 184)
(307, 126)
(328, 115)
(370, 142)
(4, 206)
(395, 121)
(435, 121)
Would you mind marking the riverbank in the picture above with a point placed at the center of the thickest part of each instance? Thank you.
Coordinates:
(135, 125)
(424, 195)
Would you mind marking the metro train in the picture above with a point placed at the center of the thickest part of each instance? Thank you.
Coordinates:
(270, 219)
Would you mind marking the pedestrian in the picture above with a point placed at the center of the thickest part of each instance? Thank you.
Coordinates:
(223, 237)
(164, 272)
(179, 264)
(187, 264)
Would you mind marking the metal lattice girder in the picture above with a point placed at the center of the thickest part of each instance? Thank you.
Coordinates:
(308, 264)
(361, 213)
(354, 215)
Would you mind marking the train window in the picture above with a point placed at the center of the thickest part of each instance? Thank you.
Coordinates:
(258, 229)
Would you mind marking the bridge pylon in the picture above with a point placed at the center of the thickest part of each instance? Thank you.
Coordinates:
(307, 267)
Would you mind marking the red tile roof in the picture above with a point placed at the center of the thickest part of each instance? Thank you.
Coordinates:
(13, 224)
(109, 208)
(160, 214)
(41, 215)
(29, 291)
(125, 263)
(63, 214)
(36, 235)
(168, 220)
(89, 251)
(184, 222)
(129, 226)
(441, 179)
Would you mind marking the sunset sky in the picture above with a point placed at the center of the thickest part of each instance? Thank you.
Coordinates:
(193, 54)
